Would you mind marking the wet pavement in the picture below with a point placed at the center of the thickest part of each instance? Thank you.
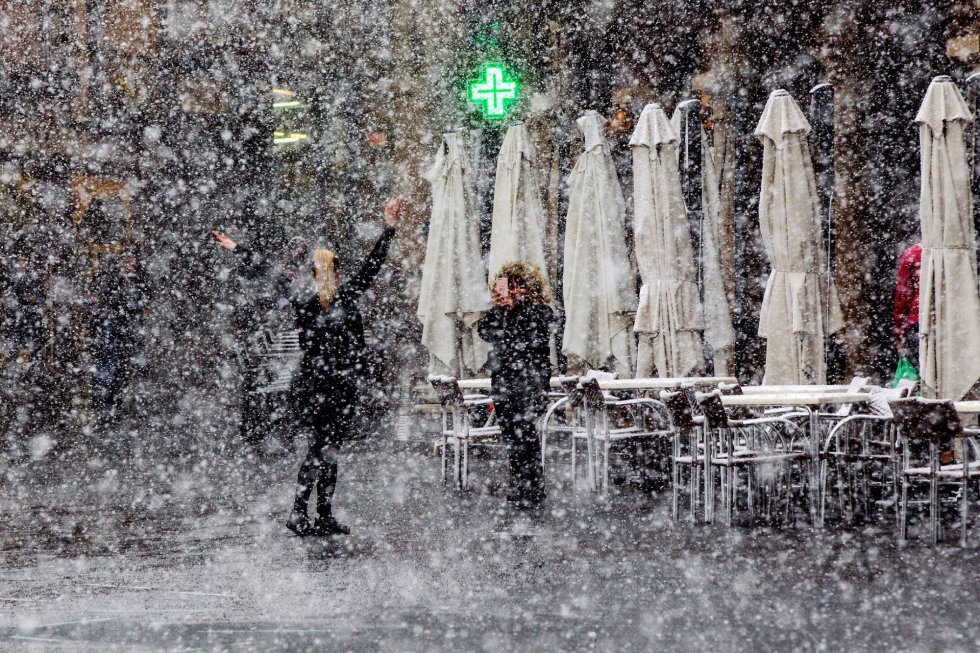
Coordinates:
(98, 555)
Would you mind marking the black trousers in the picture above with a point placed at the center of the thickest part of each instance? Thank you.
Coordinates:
(329, 422)
(519, 427)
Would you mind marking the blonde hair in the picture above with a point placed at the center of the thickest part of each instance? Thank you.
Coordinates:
(528, 277)
(325, 276)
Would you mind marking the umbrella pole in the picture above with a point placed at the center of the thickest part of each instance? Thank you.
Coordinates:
(822, 137)
(460, 366)
(691, 161)
(745, 326)
(972, 96)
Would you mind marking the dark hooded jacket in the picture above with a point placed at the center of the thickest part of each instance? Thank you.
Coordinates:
(333, 366)
(520, 357)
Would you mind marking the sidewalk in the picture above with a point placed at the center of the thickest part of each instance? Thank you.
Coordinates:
(200, 561)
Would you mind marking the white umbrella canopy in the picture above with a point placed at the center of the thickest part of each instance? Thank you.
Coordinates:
(454, 293)
(517, 233)
(949, 304)
(800, 306)
(598, 289)
(719, 331)
(670, 318)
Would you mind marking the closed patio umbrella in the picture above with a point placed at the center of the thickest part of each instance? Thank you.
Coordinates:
(669, 319)
(719, 332)
(598, 288)
(949, 305)
(517, 233)
(454, 293)
(800, 306)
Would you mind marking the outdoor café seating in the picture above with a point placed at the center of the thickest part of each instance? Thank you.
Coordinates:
(614, 421)
(457, 427)
(856, 443)
(764, 447)
(927, 430)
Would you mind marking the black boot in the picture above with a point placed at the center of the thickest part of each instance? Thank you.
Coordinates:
(298, 521)
(326, 525)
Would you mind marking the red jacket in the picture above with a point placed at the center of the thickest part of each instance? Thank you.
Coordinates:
(907, 291)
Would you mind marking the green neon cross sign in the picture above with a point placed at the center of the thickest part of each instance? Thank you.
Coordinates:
(495, 92)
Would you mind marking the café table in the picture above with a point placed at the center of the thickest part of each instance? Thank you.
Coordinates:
(794, 389)
(967, 407)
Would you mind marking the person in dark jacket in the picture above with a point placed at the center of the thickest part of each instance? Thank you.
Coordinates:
(331, 335)
(518, 328)
(118, 298)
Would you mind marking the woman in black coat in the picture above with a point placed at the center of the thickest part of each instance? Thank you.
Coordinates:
(518, 328)
(325, 390)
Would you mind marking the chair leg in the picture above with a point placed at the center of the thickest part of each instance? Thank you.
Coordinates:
(675, 479)
(544, 444)
(445, 443)
(732, 483)
(896, 470)
(605, 467)
(903, 513)
(457, 472)
(696, 498)
(865, 491)
(466, 462)
(823, 492)
(442, 458)
(590, 454)
(965, 513)
(574, 455)
(709, 481)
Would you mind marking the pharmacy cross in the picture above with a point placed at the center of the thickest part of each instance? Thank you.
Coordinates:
(495, 91)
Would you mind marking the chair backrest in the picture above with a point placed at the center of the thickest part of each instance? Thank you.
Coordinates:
(568, 383)
(570, 386)
(906, 413)
(447, 390)
(927, 419)
(591, 392)
(715, 415)
(737, 412)
(679, 408)
(689, 389)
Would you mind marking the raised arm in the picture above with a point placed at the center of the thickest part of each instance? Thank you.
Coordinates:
(252, 264)
(372, 265)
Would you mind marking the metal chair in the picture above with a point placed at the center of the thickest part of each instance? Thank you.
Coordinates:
(937, 423)
(562, 402)
(456, 426)
(645, 415)
(688, 448)
(862, 439)
(731, 444)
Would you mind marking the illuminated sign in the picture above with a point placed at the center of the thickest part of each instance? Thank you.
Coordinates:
(494, 92)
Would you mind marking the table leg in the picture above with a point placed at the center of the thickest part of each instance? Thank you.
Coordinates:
(813, 467)
(709, 499)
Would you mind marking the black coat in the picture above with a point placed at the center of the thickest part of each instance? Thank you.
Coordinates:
(325, 388)
(520, 357)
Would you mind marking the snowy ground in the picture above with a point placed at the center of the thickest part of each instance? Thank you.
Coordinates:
(169, 559)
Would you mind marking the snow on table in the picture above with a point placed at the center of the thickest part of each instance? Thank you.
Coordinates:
(795, 399)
